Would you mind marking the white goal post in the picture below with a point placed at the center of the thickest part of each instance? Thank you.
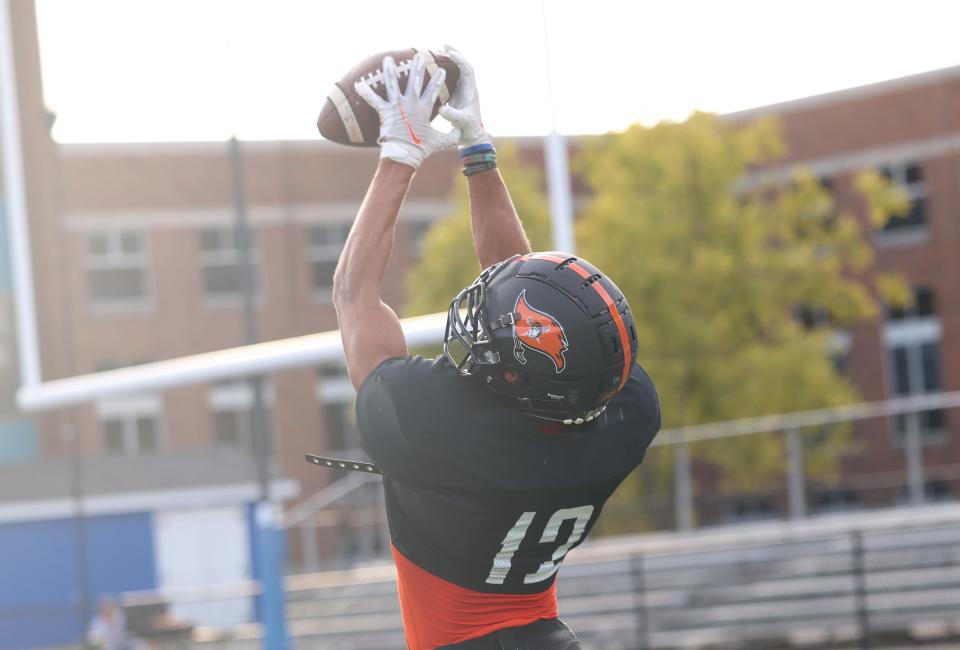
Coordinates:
(324, 347)
(247, 360)
(315, 349)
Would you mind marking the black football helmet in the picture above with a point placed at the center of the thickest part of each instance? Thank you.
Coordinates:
(548, 332)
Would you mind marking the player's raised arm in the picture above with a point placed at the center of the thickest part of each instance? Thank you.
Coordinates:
(369, 328)
(497, 231)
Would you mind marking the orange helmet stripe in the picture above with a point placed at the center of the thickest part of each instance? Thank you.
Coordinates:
(611, 306)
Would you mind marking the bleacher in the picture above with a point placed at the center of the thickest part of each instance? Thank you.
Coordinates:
(891, 578)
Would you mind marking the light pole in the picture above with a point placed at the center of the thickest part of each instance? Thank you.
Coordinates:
(268, 549)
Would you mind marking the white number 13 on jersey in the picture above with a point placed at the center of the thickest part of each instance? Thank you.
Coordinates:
(502, 563)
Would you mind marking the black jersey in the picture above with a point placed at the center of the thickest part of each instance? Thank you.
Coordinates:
(475, 494)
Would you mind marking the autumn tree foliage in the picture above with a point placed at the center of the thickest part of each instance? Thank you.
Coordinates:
(719, 266)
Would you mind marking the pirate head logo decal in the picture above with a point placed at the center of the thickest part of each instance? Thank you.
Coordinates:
(538, 331)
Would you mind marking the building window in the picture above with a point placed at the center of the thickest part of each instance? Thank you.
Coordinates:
(812, 318)
(912, 338)
(838, 500)
(838, 342)
(231, 403)
(916, 370)
(117, 266)
(233, 428)
(838, 349)
(326, 241)
(220, 265)
(340, 424)
(909, 176)
(751, 508)
(337, 398)
(936, 490)
(828, 214)
(131, 425)
(923, 306)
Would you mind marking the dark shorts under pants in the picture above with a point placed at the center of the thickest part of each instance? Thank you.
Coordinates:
(545, 634)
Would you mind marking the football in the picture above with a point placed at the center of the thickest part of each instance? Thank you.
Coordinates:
(346, 117)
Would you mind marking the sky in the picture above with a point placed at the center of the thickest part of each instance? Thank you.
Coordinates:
(182, 70)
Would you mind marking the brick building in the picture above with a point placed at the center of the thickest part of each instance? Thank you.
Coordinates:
(135, 261)
(145, 236)
(909, 129)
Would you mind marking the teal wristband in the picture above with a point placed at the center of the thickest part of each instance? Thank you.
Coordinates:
(479, 158)
(470, 170)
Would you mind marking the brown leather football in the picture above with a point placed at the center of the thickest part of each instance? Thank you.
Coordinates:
(348, 119)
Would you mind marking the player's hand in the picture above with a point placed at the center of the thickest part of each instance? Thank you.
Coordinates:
(406, 135)
(463, 109)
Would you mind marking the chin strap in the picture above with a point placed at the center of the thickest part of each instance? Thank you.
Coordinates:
(584, 417)
(349, 465)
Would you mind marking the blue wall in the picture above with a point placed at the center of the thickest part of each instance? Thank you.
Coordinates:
(120, 554)
(38, 577)
(37, 584)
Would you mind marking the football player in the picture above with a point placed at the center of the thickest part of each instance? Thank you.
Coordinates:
(499, 455)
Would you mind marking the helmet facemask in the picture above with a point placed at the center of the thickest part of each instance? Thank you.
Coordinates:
(467, 324)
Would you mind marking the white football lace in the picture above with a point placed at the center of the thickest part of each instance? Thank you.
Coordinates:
(374, 79)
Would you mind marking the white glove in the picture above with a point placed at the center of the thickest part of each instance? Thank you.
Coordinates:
(405, 132)
(463, 109)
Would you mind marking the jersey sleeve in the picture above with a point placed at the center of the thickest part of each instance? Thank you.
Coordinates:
(647, 402)
(633, 417)
(640, 401)
(390, 417)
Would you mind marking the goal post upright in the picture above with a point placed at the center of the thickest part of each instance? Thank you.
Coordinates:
(15, 196)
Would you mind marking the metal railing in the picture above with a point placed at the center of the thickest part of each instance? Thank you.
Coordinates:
(303, 519)
(790, 424)
(868, 580)
(643, 602)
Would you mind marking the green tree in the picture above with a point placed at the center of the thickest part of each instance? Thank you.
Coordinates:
(716, 265)
(451, 264)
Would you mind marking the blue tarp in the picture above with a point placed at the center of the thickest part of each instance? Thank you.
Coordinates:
(38, 574)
